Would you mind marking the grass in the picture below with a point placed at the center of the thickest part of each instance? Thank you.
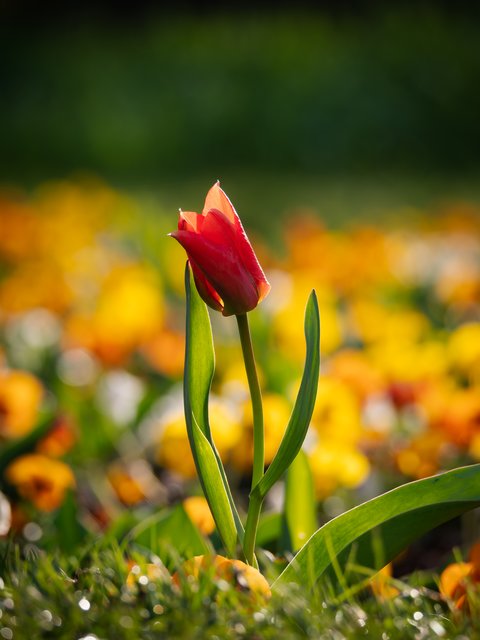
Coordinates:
(87, 597)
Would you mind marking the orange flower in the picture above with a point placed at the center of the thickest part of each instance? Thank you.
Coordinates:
(59, 440)
(381, 584)
(40, 479)
(236, 572)
(353, 368)
(199, 513)
(165, 352)
(20, 398)
(226, 270)
(459, 579)
(128, 489)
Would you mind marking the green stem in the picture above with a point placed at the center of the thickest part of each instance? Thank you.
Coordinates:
(256, 396)
(254, 508)
(255, 504)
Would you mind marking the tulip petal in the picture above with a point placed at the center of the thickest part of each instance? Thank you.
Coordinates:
(218, 199)
(190, 221)
(250, 260)
(222, 266)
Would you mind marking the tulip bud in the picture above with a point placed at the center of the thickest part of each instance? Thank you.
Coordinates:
(227, 273)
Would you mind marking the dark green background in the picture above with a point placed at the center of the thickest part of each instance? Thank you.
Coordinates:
(291, 102)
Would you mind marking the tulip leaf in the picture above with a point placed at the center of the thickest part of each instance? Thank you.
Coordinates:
(373, 533)
(199, 368)
(300, 507)
(214, 489)
(302, 411)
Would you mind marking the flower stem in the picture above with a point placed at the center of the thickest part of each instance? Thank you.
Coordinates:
(254, 508)
(255, 504)
(256, 396)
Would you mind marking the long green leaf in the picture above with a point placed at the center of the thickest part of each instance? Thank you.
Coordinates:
(302, 411)
(300, 512)
(199, 368)
(375, 532)
(199, 358)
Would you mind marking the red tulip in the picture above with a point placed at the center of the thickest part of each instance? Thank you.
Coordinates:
(226, 270)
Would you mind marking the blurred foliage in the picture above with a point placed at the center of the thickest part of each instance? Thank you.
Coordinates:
(304, 91)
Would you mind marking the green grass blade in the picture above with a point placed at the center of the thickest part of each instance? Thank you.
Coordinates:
(168, 534)
(199, 368)
(300, 512)
(302, 412)
(375, 532)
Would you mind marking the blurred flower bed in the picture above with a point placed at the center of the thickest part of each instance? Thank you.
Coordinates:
(91, 359)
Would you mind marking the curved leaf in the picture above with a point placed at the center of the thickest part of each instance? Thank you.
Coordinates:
(212, 482)
(199, 368)
(302, 411)
(376, 531)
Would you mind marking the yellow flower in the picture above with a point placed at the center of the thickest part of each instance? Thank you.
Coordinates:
(409, 361)
(35, 283)
(374, 322)
(276, 413)
(129, 312)
(41, 480)
(198, 511)
(336, 415)
(288, 322)
(464, 349)
(334, 465)
(174, 451)
(20, 398)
